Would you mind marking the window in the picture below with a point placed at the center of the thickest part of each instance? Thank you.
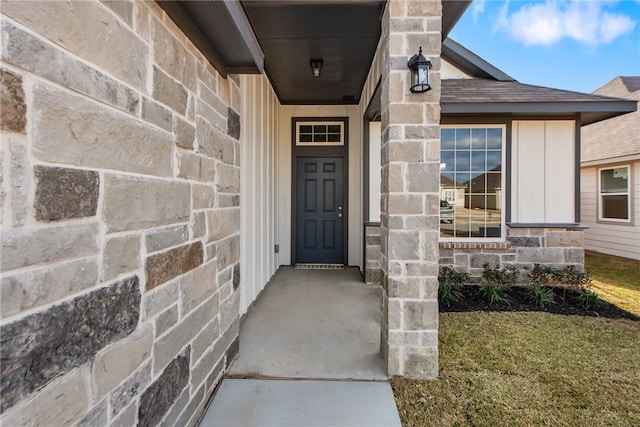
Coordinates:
(319, 133)
(471, 182)
(614, 194)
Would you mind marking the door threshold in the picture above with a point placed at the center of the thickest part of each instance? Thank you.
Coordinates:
(319, 266)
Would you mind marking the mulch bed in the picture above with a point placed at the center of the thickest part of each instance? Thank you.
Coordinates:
(565, 303)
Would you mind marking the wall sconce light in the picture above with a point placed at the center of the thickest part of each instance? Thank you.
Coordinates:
(316, 66)
(419, 66)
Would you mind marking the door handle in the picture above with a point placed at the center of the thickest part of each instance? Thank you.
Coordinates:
(339, 211)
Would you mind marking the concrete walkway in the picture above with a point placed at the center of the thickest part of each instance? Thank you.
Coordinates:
(278, 403)
(313, 324)
(309, 326)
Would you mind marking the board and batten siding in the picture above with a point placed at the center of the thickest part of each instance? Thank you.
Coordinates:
(258, 186)
(614, 239)
(543, 167)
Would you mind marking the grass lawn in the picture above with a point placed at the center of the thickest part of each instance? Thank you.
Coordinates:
(616, 280)
(523, 369)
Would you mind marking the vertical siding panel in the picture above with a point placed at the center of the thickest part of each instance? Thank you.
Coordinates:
(531, 172)
(560, 171)
(258, 189)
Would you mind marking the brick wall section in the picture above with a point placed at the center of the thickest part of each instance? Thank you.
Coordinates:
(410, 186)
(120, 217)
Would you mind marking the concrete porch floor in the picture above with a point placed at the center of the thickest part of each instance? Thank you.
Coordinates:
(309, 326)
(313, 324)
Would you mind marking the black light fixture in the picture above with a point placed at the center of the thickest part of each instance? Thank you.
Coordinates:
(419, 66)
(316, 66)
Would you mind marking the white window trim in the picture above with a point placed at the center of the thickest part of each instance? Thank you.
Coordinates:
(628, 194)
(503, 175)
(321, 123)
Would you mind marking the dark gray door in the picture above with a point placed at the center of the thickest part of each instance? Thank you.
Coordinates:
(319, 211)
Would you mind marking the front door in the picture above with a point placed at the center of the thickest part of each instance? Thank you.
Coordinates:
(319, 211)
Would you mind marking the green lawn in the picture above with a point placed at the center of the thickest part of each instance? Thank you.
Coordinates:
(616, 280)
(524, 369)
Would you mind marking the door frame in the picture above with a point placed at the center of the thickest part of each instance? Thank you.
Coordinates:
(339, 151)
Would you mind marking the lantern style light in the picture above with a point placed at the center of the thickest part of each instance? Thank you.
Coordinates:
(316, 66)
(419, 66)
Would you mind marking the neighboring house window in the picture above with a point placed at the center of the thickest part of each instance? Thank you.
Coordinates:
(471, 182)
(614, 191)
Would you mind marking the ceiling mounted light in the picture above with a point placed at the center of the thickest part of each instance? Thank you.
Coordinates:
(316, 66)
(419, 66)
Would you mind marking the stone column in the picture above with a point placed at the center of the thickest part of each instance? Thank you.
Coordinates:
(410, 190)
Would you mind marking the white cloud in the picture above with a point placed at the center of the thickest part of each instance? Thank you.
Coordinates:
(546, 23)
(478, 8)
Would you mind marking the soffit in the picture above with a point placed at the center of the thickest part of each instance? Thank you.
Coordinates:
(281, 36)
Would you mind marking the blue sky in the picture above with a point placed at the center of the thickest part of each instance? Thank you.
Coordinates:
(569, 44)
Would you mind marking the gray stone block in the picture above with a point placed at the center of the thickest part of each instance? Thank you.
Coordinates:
(171, 56)
(31, 246)
(198, 225)
(158, 300)
(524, 241)
(97, 416)
(63, 193)
(173, 342)
(130, 389)
(120, 255)
(83, 28)
(227, 179)
(479, 260)
(20, 171)
(166, 320)
(222, 223)
(214, 143)
(197, 286)
(163, 392)
(185, 133)
(51, 63)
(110, 368)
(39, 347)
(169, 91)
(156, 114)
(13, 109)
(62, 402)
(233, 124)
(35, 288)
(133, 203)
(159, 239)
(420, 315)
(74, 130)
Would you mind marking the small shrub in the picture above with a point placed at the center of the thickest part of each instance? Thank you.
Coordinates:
(539, 296)
(541, 275)
(454, 278)
(506, 276)
(448, 293)
(587, 298)
(449, 281)
(494, 293)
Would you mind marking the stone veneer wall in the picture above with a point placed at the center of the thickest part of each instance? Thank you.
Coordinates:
(524, 247)
(410, 159)
(120, 217)
(372, 270)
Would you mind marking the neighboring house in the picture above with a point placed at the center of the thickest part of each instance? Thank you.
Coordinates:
(160, 161)
(610, 177)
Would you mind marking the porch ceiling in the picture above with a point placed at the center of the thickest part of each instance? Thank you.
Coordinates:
(282, 36)
(343, 34)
